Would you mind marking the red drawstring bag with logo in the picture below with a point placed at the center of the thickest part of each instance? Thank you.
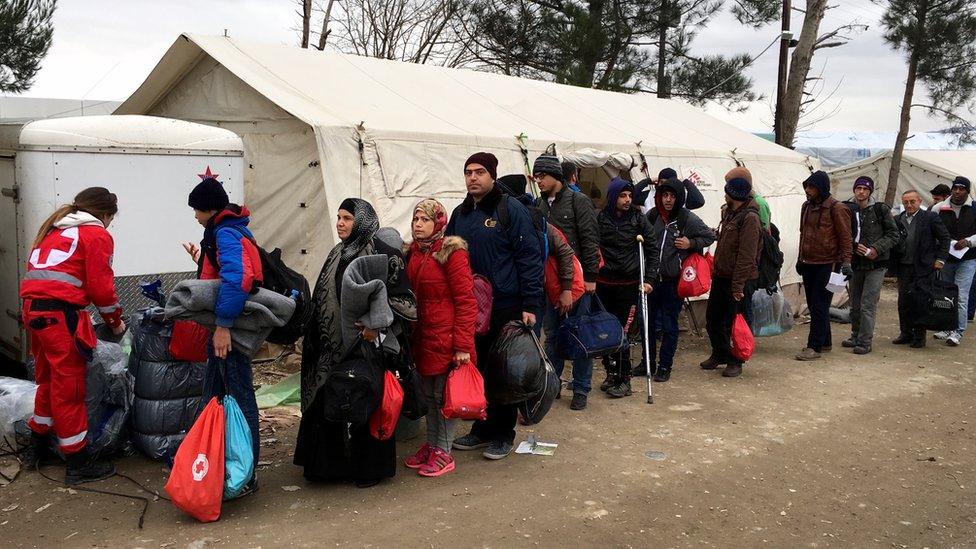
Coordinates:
(384, 420)
(189, 341)
(196, 482)
(743, 343)
(696, 275)
(464, 393)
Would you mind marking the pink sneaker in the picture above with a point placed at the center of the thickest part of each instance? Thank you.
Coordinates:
(440, 462)
(421, 458)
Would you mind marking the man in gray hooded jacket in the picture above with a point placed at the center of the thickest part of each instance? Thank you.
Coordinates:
(678, 233)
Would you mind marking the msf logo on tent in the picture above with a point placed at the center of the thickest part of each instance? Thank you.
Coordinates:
(689, 274)
(200, 467)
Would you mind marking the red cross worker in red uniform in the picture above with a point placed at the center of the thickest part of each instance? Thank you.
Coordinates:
(69, 268)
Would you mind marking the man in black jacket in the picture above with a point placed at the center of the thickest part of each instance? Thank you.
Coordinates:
(620, 223)
(573, 214)
(875, 234)
(679, 233)
(958, 214)
(925, 250)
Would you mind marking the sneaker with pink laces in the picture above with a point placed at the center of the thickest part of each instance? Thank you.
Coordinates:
(421, 458)
(440, 462)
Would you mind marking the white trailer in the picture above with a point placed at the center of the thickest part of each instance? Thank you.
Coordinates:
(150, 163)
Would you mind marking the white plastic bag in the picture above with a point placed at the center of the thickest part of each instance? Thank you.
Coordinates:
(771, 314)
(16, 404)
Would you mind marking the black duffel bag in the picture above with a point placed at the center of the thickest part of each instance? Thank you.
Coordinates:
(941, 306)
(353, 388)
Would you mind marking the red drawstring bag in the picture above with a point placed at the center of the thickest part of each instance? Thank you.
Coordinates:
(189, 341)
(464, 394)
(196, 482)
(551, 279)
(484, 296)
(696, 275)
(743, 344)
(384, 420)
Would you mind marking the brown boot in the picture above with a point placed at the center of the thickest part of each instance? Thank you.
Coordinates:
(734, 369)
(711, 363)
(807, 354)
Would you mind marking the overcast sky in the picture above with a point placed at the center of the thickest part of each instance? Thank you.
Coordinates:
(104, 49)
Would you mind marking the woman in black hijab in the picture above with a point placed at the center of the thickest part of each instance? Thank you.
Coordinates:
(329, 450)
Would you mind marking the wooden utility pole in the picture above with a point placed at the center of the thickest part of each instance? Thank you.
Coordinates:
(784, 54)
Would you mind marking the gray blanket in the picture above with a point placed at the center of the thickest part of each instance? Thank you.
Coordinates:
(194, 300)
(364, 299)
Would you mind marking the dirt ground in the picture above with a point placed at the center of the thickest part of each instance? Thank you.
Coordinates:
(849, 451)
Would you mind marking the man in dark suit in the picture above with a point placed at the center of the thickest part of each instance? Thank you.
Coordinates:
(924, 252)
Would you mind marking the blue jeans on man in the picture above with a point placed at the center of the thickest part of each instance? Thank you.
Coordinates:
(582, 367)
(232, 376)
(961, 273)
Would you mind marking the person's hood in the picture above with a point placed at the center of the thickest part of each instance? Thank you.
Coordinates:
(78, 219)
(871, 201)
(821, 181)
(617, 186)
(513, 184)
(675, 186)
(232, 215)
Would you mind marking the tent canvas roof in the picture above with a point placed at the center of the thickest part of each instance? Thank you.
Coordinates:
(327, 89)
(920, 170)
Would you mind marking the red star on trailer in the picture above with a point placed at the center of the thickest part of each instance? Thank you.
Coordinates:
(207, 174)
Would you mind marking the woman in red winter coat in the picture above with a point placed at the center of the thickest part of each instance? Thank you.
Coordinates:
(440, 275)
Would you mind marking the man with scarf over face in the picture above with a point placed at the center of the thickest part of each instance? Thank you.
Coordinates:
(825, 244)
(620, 222)
(510, 257)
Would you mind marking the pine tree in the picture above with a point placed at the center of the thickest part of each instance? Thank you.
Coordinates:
(939, 39)
(26, 29)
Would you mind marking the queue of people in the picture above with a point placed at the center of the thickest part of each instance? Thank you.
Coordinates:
(429, 292)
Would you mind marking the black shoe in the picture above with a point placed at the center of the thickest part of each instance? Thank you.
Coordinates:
(862, 349)
(640, 370)
(579, 401)
(902, 339)
(711, 363)
(610, 381)
(662, 375)
(849, 343)
(620, 390)
(37, 451)
(82, 468)
(734, 369)
(250, 488)
(367, 482)
(917, 344)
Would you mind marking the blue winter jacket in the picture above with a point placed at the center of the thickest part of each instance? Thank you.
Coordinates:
(510, 259)
(238, 262)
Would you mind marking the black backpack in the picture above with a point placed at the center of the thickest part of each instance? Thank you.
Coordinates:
(353, 389)
(281, 279)
(770, 259)
(538, 221)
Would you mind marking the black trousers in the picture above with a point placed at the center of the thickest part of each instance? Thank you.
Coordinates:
(720, 314)
(815, 279)
(618, 299)
(908, 309)
(499, 425)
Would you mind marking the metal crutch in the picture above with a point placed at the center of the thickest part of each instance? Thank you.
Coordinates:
(643, 306)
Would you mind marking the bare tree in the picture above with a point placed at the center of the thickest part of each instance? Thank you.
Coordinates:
(417, 31)
(306, 12)
(798, 96)
(306, 15)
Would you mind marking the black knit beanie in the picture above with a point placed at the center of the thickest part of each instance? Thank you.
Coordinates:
(961, 181)
(549, 165)
(208, 195)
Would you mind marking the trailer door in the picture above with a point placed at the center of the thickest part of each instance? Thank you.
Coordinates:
(10, 332)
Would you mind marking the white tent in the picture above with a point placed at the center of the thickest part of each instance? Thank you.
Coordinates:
(920, 171)
(835, 149)
(318, 127)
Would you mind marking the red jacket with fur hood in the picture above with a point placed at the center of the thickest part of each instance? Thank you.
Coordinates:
(446, 308)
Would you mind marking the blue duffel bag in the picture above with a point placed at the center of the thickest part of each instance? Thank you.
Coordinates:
(590, 331)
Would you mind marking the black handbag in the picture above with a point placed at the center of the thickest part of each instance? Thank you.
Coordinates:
(942, 306)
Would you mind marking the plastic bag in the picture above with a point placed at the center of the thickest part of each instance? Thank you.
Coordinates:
(196, 482)
(383, 421)
(16, 404)
(109, 397)
(771, 314)
(743, 343)
(516, 365)
(169, 380)
(536, 407)
(151, 335)
(464, 394)
(238, 450)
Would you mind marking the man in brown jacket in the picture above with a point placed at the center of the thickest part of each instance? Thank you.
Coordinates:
(734, 273)
(825, 244)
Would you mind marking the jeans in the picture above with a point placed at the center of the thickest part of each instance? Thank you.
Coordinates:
(972, 301)
(815, 278)
(235, 381)
(664, 305)
(440, 430)
(499, 426)
(962, 273)
(720, 314)
(618, 299)
(582, 367)
(865, 291)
